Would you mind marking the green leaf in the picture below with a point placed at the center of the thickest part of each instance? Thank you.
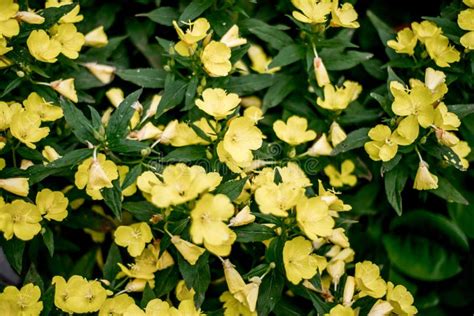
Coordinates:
(345, 60)
(162, 15)
(270, 292)
(425, 222)
(253, 233)
(113, 199)
(463, 216)
(461, 110)
(117, 128)
(127, 146)
(448, 192)
(173, 95)
(318, 303)
(195, 9)
(12, 85)
(81, 126)
(395, 180)
(196, 276)
(14, 249)
(85, 265)
(142, 210)
(190, 94)
(355, 139)
(32, 276)
(166, 280)
(231, 188)
(270, 34)
(131, 177)
(144, 77)
(110, 267)
(384, 31)
(186, 154)
(249, 84)
(287, 55)
(147, 295)
(281, 88)
(48, 239)
(421, 258)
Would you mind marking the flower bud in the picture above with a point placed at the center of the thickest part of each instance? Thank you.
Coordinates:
(115, 96)
(349, 288)
(339, 238)
(50, 154)
(243, 217)
(104, 73)
(188, 250)
(424, 179)
(30, 17)
(96, 38)
(336, 270)
(380, 308)
(321, 147)
(25, 164)
(320, 72)
(65, 88)
(446, 138)
(18, 186)
(231, 37)
(336, 134)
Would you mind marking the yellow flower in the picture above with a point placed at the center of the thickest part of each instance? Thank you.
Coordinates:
(78, 295)
(42, 47)
(231, 37)
(25, 301)
(207, 221)
(246, 294)
(104, 73)
(312, 11)
(339, 98)
(425, 30)
(405, 43)
(284, 197)
(294, 131)
(407, 131)
(52, 204)
(321, 147)
(336, 134)
(95, 174)
(340, 310)
(435, 81)
(260, 60)
(241, 138)
(467, 40)
(381, 308)
(186, 307)
(25, 126)
(96, 38)
(216, 59)
(466, 19)
(147, 263)
(183, 292)
(196, 31)
(70, 39)
(18, 186)
(462, 149)
(243, 217)
(47, 112)
(189, 251)
(400, 299)
(116, 305)
(226, 157)
(441, 52)
(70, 17)
(3, 46)
(368, 280)
(444, 119)
(232, 307)
(134, 237)
(217, 103)
(345, 177)
(65, 88)
(21, 219)
(469, 3)
(382, 147)
(344, 16)
(312, 215)
(299, 261)
(424, 179)
(8, 24)
(253, 113)
(182, 183)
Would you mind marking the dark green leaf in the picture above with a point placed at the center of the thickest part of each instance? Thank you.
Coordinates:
(287, 55)
(421, 258)
(162, 15)
(12, 85)
(48, 239)
(14, 249)
(281, 88)
(355, 139)
(144, 77)
(250, 83)
(190, 94)
(231, 188)
(32, 276)
(384, 31)
(345, 60)
(253, 233)
(166, 280)
(195, 9)
(270, 292)
(117, 128)
(196, 276)
(463, 216)
(461, 110)
(113, 199)
(81, 126)
(147, 295)
(142, 210)
(131, 176)
(85, 265)
(318, 303)
(110, 267)
(186, 154)
(395, 180)
(275, 38)
(448, 192)
(173, 95)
